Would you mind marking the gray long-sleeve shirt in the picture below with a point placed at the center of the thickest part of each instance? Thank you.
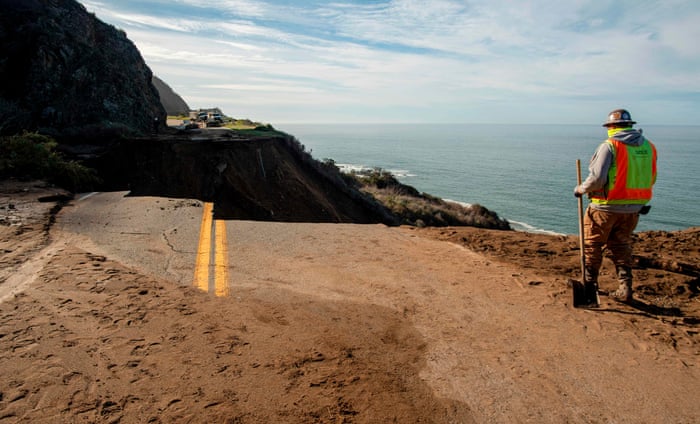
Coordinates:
(600, 165)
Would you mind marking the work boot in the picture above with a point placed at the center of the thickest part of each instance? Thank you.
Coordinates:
(590, 286)
(624, 274)
(624, 291)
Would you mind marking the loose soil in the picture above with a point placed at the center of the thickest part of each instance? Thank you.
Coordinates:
(343, 324)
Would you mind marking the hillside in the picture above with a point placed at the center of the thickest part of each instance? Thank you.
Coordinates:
(172, 102)
(70, 74)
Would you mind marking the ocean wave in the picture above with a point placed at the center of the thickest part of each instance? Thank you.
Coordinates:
(517, 225)
(401, 173)
(466, 205)
(348, 168)
(527, 228)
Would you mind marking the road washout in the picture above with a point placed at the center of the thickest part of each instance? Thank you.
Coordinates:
(334, 323)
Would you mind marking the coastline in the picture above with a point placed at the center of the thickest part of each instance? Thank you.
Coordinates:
(525, 173)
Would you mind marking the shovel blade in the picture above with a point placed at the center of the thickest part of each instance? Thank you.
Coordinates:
(581, 297)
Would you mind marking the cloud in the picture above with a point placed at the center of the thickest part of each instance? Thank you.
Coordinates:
(247, 8)
(159, 23)
(429, 56)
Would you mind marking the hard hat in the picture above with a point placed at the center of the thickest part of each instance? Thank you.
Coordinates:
(619, 116)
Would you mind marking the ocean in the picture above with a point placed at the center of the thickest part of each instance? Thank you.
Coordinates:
(525, 173)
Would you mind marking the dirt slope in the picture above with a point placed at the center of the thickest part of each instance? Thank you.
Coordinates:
(339, 323)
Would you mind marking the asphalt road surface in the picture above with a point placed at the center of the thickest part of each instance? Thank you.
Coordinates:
(157, 235)
(510, 350)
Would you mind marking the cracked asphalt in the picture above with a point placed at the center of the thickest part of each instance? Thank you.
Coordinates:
(156, 235)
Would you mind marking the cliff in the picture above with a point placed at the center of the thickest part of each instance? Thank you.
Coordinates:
(65, 71)
(263, 175)
(172, 102)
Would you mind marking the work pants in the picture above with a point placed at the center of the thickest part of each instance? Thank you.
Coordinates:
(609, 230)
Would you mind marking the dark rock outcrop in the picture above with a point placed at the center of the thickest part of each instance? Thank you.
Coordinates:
(172, 102)
(67, 72)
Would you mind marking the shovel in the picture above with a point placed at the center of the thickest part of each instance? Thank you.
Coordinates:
(581, 296)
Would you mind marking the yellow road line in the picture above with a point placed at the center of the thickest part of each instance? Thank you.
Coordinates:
(201, 267)
(221, 268)
(202, 274)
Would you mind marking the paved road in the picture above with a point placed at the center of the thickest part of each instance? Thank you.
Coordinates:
(512, 352)
(157, 235)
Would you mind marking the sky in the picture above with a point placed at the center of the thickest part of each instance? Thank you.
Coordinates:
(422, 61)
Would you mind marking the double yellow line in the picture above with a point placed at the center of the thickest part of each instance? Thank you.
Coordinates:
(203, 264)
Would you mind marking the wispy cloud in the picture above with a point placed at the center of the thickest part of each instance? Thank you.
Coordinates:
(249, 8)
(436, 58)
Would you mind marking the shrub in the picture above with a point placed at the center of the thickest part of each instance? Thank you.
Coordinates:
(421, 209)
(33, 156)
(267, 127)
(381, 179)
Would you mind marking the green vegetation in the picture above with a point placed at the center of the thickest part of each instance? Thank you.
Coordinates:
(421, 209)
(241, 124)
(32, 156)
(259, 131)
(250, 127)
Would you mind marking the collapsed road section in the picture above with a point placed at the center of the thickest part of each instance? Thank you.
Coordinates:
(268, 178)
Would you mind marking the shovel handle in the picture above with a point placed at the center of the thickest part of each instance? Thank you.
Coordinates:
(580, 222)
(578, 171)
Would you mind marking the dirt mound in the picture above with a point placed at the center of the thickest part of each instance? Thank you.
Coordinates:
(226, 361)
(666, 275)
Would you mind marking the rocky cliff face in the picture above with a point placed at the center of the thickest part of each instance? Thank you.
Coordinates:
(64, 70)
(172, 102)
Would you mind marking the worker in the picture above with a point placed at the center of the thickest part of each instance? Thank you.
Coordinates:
(622, 173)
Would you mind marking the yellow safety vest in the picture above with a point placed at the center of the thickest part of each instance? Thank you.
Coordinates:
(631, 175)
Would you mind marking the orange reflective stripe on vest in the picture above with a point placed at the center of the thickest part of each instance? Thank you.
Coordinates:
(631, 176)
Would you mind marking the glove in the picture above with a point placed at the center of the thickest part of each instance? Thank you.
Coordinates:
(577, 193)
